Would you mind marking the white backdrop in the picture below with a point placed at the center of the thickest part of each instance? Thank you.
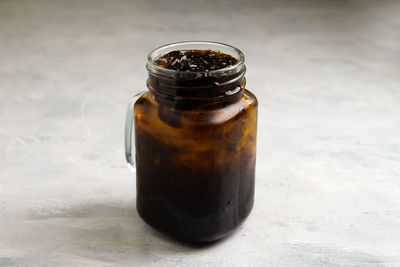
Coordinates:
(326, 74)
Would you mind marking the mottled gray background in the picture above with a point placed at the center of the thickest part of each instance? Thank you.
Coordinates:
(326, 74)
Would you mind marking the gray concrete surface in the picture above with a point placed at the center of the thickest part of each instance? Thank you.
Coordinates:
(326, 74)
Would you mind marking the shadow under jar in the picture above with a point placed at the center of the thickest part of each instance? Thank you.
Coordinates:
(195, 139)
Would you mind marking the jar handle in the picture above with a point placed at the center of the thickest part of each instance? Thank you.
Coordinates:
(129, 135)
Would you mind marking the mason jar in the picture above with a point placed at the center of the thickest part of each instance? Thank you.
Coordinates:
(195, 145)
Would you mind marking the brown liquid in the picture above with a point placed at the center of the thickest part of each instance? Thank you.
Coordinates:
(195, 163)
(196, 60)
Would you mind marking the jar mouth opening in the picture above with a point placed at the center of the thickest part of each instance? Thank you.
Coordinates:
(153, 67)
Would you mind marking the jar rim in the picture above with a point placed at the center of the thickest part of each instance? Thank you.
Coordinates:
(195, 45)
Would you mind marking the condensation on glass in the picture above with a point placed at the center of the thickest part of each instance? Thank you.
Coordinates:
(195, 145)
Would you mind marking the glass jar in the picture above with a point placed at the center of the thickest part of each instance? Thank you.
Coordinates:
(195, 139)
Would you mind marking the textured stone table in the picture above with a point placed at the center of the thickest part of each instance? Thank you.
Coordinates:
(327, 75)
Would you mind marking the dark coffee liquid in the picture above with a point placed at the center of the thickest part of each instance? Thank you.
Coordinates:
(196, 60)
(195, 160)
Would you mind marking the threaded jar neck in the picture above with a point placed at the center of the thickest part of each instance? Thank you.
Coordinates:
(200, 85)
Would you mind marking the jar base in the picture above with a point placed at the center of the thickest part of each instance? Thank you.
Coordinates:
(188, 233)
